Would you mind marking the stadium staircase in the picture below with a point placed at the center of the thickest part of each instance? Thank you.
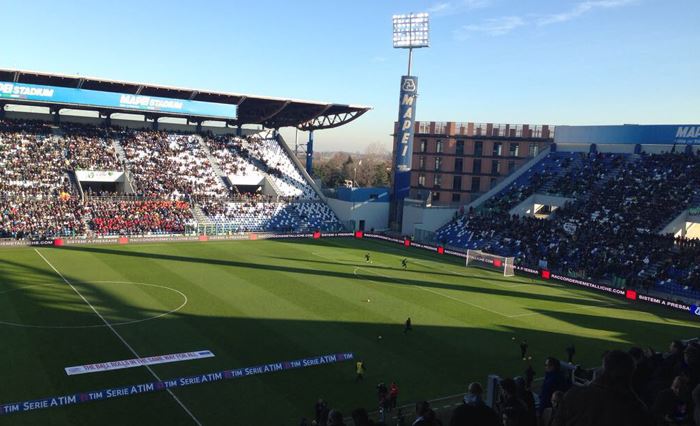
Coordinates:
(277, 190)
(651, 271)
(614, 173)
(575, 163)
(259, 165)
(215, 164)
(305, 174)
(200, 217)
(75, 185)
(508, 180)
(121, 156)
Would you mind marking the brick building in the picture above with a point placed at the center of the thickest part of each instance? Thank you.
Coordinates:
(456, 162)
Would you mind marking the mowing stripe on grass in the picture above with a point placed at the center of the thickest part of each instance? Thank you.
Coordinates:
(119, 336)
(429, 290)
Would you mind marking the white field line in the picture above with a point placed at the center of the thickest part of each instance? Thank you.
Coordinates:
(429, 290)
(611, 303)
(119, 336)
(460, 274)
(528, 314)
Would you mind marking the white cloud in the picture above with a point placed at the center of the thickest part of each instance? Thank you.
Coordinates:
(491, 26)
(580, 9)
(454, 7)
(505, 24)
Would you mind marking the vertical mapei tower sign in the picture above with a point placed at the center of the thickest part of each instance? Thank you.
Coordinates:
(411, 31)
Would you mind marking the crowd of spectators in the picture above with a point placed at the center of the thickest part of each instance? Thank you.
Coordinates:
(262, 155)
(611, 228)
(243, 216)
(28, 218)
(263, 214)
(32, 163)
(89, 147)
(35, 191)
(634, 387)
(168, 165)
(222, 148)
(39, 199)
(137, 217)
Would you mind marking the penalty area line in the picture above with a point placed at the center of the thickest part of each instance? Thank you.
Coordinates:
(119, 336)
(429, 290)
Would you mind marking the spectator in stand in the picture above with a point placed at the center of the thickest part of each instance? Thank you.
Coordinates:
(670, 367)
(514, 411)
(473, 411)
(320, 409)
(673, 405)
(643, 371)
(608, 401)
(335, 418)
(550, 412)
(691, 364)
(527, 397)
(554, 380)
(529, 376)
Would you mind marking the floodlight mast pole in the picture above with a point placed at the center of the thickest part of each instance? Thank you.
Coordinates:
(410, 32)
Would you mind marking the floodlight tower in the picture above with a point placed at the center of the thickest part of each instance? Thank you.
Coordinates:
(411, 31)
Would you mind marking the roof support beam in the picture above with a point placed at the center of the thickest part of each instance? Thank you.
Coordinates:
(270, 116)
(331, 121)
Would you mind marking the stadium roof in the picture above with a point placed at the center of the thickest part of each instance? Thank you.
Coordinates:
(267, 111)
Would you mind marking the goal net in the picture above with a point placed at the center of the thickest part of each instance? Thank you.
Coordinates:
(491, 261)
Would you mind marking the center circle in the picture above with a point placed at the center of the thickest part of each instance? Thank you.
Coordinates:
(157, 315)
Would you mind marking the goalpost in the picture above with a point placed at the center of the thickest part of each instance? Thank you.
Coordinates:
(491, 261)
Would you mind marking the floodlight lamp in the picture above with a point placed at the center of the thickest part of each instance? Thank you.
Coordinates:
(411, 30)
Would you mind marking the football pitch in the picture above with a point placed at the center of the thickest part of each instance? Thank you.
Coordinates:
(258, 302)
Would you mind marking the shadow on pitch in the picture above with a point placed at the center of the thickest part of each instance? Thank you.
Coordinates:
(593, 301)
(428, 362)
(374, 266)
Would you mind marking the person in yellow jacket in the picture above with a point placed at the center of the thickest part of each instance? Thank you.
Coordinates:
(360, 369)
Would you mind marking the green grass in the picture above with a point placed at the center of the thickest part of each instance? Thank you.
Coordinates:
(253, 302)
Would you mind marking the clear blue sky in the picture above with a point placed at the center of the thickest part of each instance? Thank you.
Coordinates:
(515, 61)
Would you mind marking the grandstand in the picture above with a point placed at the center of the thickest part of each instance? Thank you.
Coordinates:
(600, 216)
(162, 166)
(89, 178)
